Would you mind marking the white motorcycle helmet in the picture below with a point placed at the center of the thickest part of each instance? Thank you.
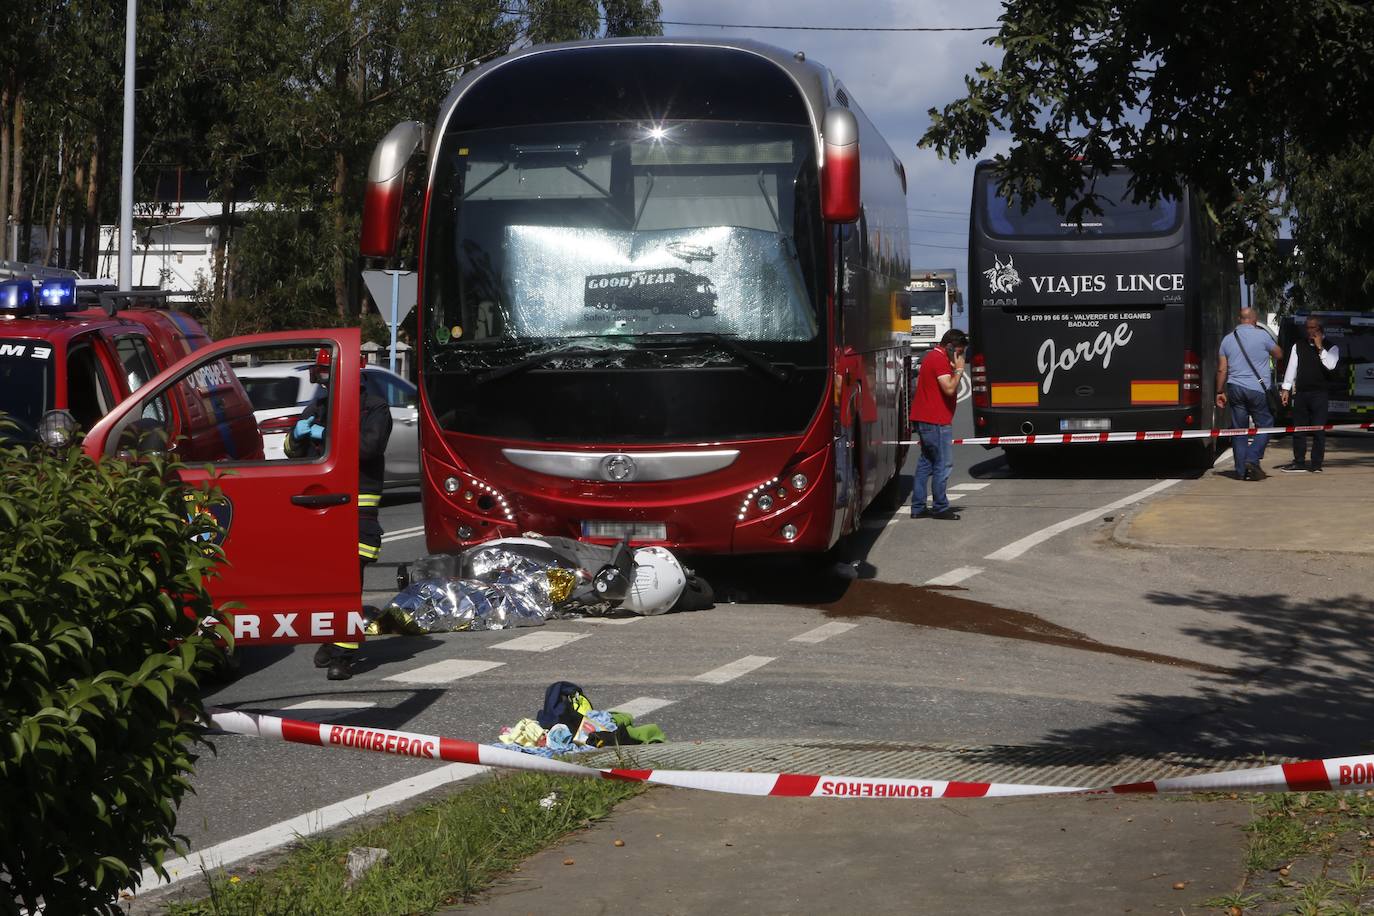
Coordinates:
(658, 583)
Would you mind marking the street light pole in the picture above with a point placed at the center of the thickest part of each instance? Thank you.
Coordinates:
(126, 179)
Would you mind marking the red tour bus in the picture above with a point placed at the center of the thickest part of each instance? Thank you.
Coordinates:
(657, 287)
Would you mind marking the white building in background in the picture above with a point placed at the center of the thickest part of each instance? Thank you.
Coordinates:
(173, 244)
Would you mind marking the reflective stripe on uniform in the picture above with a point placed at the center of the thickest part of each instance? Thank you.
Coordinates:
(369, 500)
(368, 552)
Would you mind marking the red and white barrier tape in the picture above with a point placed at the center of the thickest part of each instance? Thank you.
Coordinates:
(1336, 774)
(1140, 435)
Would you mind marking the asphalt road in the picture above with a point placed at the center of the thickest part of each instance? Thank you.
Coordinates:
(1046, 632)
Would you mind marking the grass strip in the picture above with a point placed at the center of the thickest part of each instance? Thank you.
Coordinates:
(439, 854)
(1308, 853)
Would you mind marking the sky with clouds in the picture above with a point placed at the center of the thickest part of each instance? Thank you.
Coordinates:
(896, 78)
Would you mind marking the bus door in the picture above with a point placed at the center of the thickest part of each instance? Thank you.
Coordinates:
(289, 527)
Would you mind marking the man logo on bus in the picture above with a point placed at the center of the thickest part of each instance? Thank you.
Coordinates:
(1002, 278)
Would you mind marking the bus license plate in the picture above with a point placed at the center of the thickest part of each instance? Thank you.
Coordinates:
(1081, 426)
(635, 531)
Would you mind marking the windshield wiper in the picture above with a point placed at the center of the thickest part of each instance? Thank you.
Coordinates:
(544, 356)
(728, 343)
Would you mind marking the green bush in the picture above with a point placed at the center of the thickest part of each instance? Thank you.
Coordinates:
(101, 645)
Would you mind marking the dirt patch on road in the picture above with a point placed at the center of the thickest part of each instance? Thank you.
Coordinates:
(942, 609)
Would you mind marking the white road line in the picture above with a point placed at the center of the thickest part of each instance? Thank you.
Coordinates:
(332, 704)
(443, 672)
(403, 533)
(955, 576)
(968, 486)
(824, 632)
(641, 706)
(955, 497)
(1224, 456)
(733, 670)
(269, 838)
(540, 642)
(613, 621)
(1016, 548)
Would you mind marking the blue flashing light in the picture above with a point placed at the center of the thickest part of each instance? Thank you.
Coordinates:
(57, 295)
(16, 298)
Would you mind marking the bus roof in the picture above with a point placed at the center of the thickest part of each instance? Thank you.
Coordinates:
(816, 83)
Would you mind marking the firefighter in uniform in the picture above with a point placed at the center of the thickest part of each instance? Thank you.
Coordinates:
(307, 441)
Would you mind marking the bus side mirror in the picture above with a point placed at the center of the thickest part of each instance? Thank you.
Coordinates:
(386, 178)
(840, 200)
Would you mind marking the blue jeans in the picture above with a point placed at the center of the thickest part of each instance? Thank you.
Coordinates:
(1247, 405)
(935, 464)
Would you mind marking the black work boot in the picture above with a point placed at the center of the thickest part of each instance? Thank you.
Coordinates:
(341, 668)
(324, 655)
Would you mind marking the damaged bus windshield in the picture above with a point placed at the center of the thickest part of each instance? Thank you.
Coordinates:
(622, 231)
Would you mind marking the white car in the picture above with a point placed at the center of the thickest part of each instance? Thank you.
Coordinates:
(280, 391)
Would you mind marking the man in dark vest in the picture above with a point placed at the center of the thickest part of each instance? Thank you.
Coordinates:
(1310, 364)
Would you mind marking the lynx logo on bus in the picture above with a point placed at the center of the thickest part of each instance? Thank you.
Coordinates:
(1002, 278)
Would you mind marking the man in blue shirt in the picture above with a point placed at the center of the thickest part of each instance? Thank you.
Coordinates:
(1244, 375)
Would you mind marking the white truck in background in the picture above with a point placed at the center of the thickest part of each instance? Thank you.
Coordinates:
(935, 300)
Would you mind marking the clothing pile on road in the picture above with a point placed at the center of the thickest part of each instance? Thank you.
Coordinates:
(521, 582)
(568, 725)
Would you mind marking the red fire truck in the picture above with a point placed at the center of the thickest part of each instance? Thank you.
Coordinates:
(657, 290)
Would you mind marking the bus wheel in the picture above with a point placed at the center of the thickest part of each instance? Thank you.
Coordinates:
(1201, 453)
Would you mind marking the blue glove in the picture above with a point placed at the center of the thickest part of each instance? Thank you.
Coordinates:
(302, 428)
(317, 432)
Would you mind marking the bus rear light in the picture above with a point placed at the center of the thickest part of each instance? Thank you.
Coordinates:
(1189, 420)
(982, 421)
(1192, 378)
(978, 379)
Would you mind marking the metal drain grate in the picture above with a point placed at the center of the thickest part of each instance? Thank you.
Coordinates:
(971, 763)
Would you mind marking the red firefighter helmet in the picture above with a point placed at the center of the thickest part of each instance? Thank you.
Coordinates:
(324, 364)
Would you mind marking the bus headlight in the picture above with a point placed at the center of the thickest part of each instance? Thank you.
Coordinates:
(799, 482)
(789, 532)
(451, 485)
(765, 502)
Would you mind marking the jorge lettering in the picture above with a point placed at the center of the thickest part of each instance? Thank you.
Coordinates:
(1051, 358)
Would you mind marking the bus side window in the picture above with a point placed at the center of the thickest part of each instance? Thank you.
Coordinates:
(89, 395)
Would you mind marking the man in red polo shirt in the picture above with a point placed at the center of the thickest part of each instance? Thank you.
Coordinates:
(932, 410)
